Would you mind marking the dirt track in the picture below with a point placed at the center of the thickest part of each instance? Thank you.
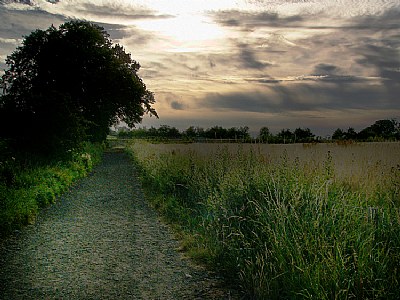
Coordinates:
(101, 241)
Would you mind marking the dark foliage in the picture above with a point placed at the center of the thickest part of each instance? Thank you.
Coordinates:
(384, 129)
(380, 130)
(67, 85)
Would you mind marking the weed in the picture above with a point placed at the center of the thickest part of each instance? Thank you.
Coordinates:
(25, 187)
(284, 229)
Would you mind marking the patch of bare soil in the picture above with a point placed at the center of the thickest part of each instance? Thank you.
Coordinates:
(101, 240)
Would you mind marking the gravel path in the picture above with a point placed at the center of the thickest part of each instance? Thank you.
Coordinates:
(101, 241)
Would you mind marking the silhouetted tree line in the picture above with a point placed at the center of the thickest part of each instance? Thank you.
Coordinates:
(192, 133)
(240, 134)
(381, 130)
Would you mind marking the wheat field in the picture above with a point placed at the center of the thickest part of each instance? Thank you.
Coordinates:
(299, 221)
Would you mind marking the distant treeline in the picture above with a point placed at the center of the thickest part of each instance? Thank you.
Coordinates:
(381, 130)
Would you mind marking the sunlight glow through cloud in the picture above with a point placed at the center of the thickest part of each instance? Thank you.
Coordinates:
(185, 31)
(320, 63)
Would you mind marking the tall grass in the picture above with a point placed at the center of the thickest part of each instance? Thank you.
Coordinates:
(283, 231)
(27, 186)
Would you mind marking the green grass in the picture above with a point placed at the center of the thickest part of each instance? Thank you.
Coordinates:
(281, 231)
(27, 187)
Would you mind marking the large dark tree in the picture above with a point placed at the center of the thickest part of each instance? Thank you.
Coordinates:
(67, 85)
(384, 129)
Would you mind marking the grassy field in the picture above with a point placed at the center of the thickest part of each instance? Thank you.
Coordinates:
(285, 221)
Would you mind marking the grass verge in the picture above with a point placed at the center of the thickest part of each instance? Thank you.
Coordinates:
(27, 186)
(280, 231)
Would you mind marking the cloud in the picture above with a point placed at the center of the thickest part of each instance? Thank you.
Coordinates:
(336, 8)
(300, 97)
(326, 69)
(379, 48)
(13, 42)
(354, 67)
(18, 20)
(212, 63)
(247, 21)
(320, 77)
(128, 36)
(177, 105)
(26, 2)
(248, 59)
(284, 60)
(111, 12)
(15, 23)
(267, 80)
(118, 10)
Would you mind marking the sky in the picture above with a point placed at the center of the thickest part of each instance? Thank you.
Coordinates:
(318, 64)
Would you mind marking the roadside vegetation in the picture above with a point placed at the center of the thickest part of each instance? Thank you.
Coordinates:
(283, 227)
(27, 184)
(62, 90)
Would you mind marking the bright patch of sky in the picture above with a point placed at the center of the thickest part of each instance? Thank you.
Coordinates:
(321, 64)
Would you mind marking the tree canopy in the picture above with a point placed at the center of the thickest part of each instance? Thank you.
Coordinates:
(67, 85)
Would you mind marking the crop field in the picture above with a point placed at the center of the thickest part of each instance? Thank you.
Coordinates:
(285, 221)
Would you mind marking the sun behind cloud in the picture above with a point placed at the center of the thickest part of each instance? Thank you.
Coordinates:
(185, 33)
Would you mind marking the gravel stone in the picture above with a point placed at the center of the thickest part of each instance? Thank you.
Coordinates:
(101, 240)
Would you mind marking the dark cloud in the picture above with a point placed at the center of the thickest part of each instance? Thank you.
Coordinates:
(248, 20)
(18, 23)
(380, 50)
(118, 11)
(177, 105)
(301, 97)
(386, 21)
(119, 32)
(265, 80)
(212, 63)
(329, 85)
(342, 79)
(254, 102)
(26, 2)
(116, 31)
(320, 77)
(248, 59)
(385, 59)
(326, 69)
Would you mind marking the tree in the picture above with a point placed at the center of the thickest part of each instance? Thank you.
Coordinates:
(216, 132)
(285, 136)
(241, 133)
(244, 133)
(385, 129)
(264, 134)
(166, 131)
(339, 134)
(67, 85)
(303, 135)
(351, 134)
